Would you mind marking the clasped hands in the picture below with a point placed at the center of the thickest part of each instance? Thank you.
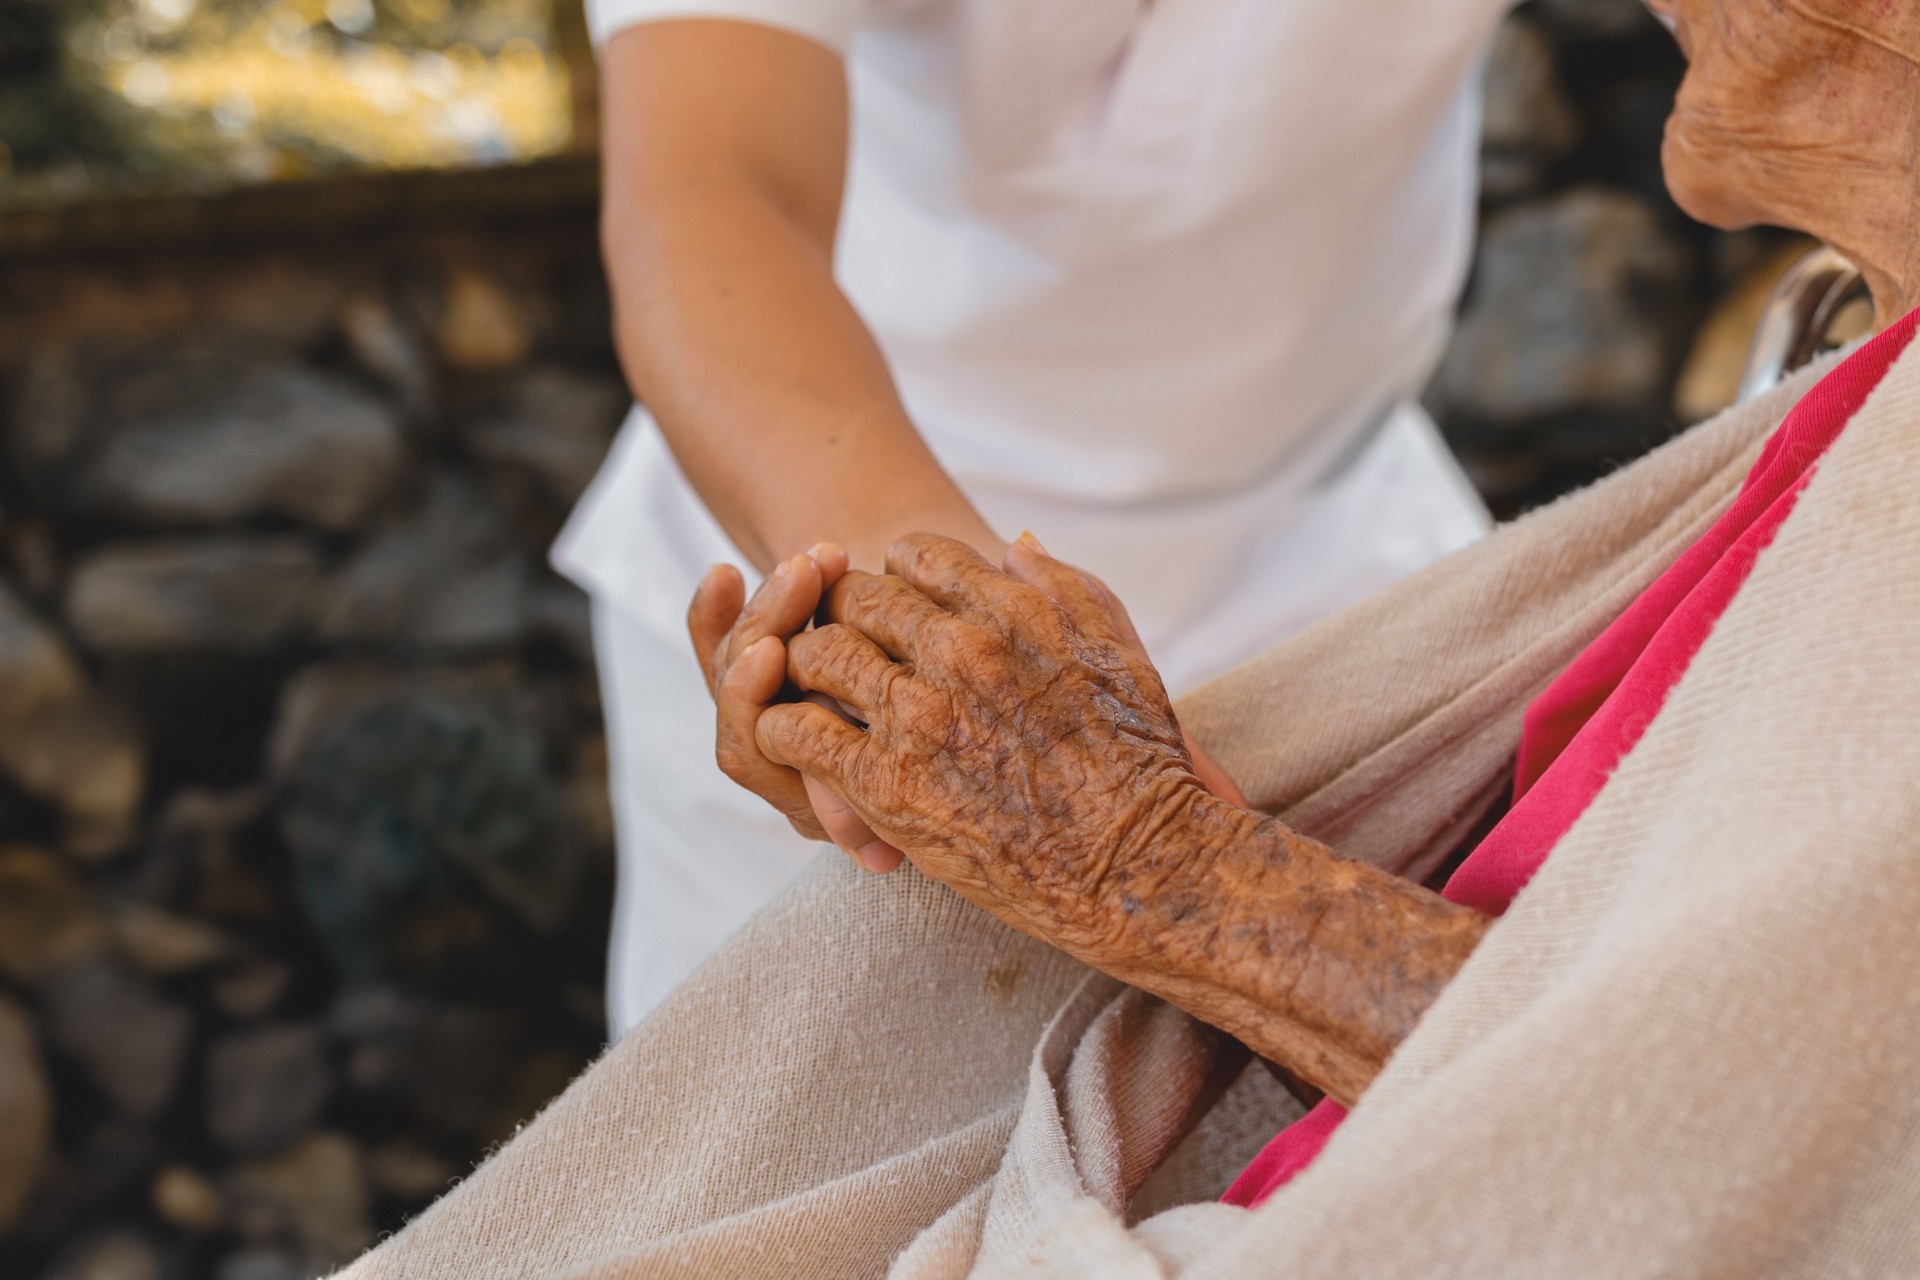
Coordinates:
(1004, 730)
(1001, 726)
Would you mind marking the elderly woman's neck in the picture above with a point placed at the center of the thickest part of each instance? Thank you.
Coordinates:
(1881, 233)
(1865, 199)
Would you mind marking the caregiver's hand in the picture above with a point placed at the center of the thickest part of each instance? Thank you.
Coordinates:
(742, 653)
(1020, 749)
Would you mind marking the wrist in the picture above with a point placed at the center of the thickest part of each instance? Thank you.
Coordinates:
(1171, 858)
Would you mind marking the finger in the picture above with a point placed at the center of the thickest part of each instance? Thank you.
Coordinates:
(716, 606)
(810, 738)
(839, 661)
(1089, 601)
(890, 611)
(783, 605)
(832, 559)
(849, 830)
(1211, 775)
(950, 573)
(753, 680)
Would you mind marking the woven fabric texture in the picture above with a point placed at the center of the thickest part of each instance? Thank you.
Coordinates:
(1686, 1050)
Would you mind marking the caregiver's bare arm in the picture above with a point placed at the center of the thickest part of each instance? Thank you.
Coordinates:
(725, 157)
(1018, 749)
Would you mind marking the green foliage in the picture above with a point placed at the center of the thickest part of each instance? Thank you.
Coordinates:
(128, 94)
(47, 116)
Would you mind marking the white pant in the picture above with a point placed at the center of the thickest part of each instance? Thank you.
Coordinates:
(698, 855)
(1209, 586)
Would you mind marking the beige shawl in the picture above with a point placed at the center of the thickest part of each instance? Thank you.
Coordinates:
(1691, 1048)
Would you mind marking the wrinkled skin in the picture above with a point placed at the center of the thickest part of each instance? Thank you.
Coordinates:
(1804, 114)
(725, 633)
(1019, 747)
(1023, 754)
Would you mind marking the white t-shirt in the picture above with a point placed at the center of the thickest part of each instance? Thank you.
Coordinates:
(1156, 279)
(1132, 259)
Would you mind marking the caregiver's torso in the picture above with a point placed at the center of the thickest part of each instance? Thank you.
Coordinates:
(1146, 274)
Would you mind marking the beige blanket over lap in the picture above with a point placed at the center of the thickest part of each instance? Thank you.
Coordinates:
(1692, 1048)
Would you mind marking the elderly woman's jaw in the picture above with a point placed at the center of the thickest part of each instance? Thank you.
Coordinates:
(1804, 114)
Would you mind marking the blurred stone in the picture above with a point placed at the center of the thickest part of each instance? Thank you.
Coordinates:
(35, 555)
(555, 430)
(1628, 123)
(26, 1109)
(414, 797)
(450, 1065)
(120, 1256)
(260, 1264)
(1595, 19)
(108, 1167)
(87, 758)
(265, 1086)
(288, 300)
(370, 1011)
(449, 576)
(36, 668)
(561, 614)
(317, 1192)
(482, 329)
(537, 1079)
(238, 440)
(48, 424)
(59, 740)
(188, 1200)
(388, 348)
(408, 1172)
(130, 1041)
(195, 847)
(224, 594)
(164, 944)
(321, 699)
(47, 917)
(251, 990)
(1572, 312)
(588, 795)
(1527, 123)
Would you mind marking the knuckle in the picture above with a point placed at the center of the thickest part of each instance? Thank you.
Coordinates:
(821, 649)
(733, 761)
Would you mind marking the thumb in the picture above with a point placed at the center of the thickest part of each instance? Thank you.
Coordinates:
(849, 830)
(1211, 775)
(808, 737)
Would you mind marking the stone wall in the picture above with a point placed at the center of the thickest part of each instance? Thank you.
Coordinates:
(304, 839)
(304, 843)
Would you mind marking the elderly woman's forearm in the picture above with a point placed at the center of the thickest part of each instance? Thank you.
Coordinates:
(1320, 964)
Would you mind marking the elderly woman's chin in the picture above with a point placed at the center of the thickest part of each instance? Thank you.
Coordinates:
(1706, 188)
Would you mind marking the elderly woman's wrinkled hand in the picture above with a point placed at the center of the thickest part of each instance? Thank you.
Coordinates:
(1018, 746)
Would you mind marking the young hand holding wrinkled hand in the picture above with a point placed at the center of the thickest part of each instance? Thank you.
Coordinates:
(1003, 728)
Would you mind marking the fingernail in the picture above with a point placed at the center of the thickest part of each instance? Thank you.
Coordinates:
(1032, 543)
(781, 570)
(874, 856)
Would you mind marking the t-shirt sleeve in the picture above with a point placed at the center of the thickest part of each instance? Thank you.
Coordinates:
(830, 22)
